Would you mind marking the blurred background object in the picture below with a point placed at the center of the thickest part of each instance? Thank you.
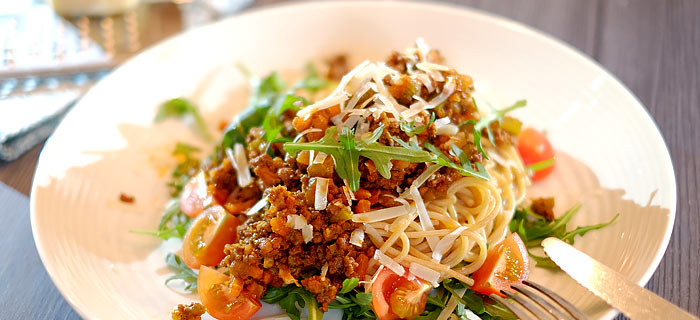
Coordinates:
(51, 53)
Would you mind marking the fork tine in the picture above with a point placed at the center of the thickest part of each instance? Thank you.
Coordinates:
(570, 308)
(530, 293)
(518, 311)
(539, 313)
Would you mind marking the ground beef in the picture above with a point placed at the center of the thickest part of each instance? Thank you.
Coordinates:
(192, 311)
(544, 207)
(271, 253)
(337, 67)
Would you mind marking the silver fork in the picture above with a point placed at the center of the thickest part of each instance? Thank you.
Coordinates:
(533, 301)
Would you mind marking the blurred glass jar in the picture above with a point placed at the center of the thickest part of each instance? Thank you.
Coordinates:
(74, 8)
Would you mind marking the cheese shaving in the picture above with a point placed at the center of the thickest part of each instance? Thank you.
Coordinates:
(427, 66)
(425, 273)
(426, 81)
(366, 85)
(423, 216)
(298, 222)
(423, 49)
(320, 158)
(324, 270)
(372, 232)
(380, 215)
(357, 237)
(257, 207)
(239, 161)
(447, 91)
(307, 232)
(301, 134)
(426, 174)
(448, 130)
(446, 243)
(389, 263)
(321, 195)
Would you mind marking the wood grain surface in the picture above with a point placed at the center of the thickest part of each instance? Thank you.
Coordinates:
(653, 47)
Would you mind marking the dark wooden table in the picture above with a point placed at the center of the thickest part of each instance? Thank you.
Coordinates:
(652, 46)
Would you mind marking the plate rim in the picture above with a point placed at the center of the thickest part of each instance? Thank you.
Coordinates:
(434, 8)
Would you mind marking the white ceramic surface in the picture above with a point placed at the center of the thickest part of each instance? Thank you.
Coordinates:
(611, 156)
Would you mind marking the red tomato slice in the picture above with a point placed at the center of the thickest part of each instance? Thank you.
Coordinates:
(396, 297)
(223, 298)
(534, 147)
(194, 196)
(507, 263)
(208, 234)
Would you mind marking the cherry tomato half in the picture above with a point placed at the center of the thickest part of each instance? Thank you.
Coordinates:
(396, 297)
(534, 147)
(506, 263)
(223, 297)
(194, 196)
(204, 242)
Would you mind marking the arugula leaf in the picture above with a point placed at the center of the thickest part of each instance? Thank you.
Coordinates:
(173, 222)
(289, 296)
(348, 285)
(533, 228)
(498, 311)
(313, 82)
(355, 304)
(411, 130)
(465, 314)
(543, 262)
(263, 93)
(485, 123)
(469, 298)
(465, 169)
(181, 107)
(347, 151)
(432, 315)
(182, 272)
(435, 301)
(269, 100)
(581, 231)
(408, 145)
(186, 164)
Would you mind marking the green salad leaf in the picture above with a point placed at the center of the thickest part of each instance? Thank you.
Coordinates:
(411, 129)
(485, 123)
(533, 228)
(182, 272)
(270, 98)
(347, 150)
(464, 168)
(173, 222)
(179, 108)
(288, 297)
(187, 164)
(355, 304)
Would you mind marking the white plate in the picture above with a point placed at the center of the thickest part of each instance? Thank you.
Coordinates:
(612, 158)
